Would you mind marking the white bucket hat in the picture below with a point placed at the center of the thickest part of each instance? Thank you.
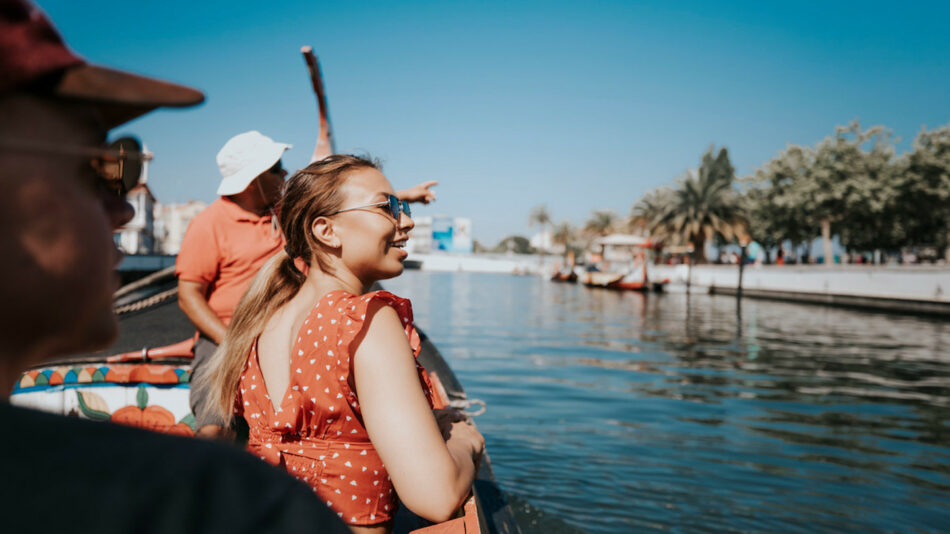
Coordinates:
(244, 157)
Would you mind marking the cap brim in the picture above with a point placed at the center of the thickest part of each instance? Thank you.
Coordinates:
(120, 95)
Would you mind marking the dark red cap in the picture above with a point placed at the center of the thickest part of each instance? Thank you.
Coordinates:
(34, 58)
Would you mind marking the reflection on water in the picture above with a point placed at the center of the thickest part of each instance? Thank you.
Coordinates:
(618, 412)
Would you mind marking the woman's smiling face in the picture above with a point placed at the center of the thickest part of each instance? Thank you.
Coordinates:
(373, 243)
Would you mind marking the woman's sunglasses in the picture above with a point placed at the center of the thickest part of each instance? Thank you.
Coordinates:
(395, 206)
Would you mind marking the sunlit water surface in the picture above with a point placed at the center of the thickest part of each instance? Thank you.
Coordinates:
(622, 412)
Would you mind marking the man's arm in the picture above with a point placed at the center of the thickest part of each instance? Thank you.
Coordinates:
(419, 193)
(192, 301)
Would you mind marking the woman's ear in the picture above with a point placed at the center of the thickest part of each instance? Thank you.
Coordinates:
(323, 231)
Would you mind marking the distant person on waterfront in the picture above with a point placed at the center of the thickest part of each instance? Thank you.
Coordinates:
(324, 370)
(754, 253)
(229, 242)
(62, 197)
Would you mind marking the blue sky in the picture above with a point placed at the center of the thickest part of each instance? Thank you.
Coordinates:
(576, 105)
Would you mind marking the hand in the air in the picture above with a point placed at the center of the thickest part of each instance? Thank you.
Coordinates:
(419, 193)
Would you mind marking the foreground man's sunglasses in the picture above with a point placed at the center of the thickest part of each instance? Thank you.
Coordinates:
(117, 165)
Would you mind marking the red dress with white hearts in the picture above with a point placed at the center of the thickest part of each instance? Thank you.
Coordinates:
(317, 434)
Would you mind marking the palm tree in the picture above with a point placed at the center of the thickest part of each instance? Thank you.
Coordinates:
(539, 216)
(601, 222)
(562, 234)
(652, 208)
(703, 205)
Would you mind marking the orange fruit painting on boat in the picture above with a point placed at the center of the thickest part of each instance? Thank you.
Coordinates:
(155, 418)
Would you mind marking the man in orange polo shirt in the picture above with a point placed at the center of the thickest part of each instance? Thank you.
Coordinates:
(228, 242)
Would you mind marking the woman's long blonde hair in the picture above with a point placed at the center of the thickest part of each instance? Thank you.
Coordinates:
(311, 192)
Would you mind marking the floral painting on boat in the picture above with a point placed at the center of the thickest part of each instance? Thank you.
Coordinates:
(150, 396)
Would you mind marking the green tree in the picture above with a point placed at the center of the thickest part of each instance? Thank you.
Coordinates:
(843, 186)
(922, 190)
(515, 243)
(845, 190)
(771, 201)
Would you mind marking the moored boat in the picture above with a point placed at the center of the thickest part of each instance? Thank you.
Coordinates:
(599, 279)
(568, 273)
(561, 276)
(632, 285)
(624, 282)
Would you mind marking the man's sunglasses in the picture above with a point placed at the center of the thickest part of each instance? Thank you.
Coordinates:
(118, 166)
(395, 206)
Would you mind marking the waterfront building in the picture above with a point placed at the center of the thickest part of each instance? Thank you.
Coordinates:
(137, 237)
(450, 234)
(543, 242)
(420, 239)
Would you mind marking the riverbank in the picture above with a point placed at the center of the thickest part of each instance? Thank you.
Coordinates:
(483, 263)
(905, 289)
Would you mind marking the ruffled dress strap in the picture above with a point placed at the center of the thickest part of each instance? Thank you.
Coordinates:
(354, 311)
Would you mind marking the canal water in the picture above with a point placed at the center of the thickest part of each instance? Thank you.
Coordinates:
(621, 412)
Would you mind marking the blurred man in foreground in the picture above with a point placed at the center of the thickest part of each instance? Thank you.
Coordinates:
(61, 196)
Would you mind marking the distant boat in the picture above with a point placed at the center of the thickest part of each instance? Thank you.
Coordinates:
(561, 276)
(639, 285)
(599, 279)
(569, 274)
(622, 274)
(624, 282)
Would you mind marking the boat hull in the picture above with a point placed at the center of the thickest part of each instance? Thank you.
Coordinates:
(596, 279)
(618, 282)
(149, 388)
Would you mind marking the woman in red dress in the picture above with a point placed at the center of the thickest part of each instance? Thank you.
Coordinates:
(324, 370)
